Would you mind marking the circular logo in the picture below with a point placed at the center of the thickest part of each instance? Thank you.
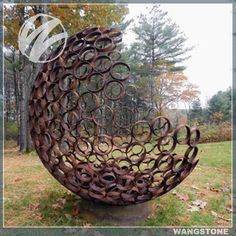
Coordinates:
(36, 42)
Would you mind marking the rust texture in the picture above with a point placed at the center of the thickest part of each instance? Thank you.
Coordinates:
(87, 129)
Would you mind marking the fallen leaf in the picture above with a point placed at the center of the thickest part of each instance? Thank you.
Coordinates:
(222, 218)
(75, 211)
(183, 197)
(214, 213)
(174, 192)
(219, 216)
(226, 189)
(195, 187)
(229, 210)
(56, 206)
(221, 223)
(61, 201)
(215, 190)
(193, 208)
(201, 194)
(17, 179)
(68, 216)
(201, 204)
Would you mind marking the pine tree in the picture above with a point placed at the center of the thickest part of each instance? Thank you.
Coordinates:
(195, 113)
(159, 45)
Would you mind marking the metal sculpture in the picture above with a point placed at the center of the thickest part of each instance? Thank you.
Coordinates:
(88, 132)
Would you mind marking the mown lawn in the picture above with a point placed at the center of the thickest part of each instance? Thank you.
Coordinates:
(32, 197)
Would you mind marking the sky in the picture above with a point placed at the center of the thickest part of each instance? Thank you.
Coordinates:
(208, 28)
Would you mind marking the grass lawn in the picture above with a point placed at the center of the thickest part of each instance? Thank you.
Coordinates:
(32, 197)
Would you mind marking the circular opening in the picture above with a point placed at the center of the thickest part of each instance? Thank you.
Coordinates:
(95, 82)
(104, 44)
(120, 71)
(102, 64)
(182, 134)
(114, 90)
(88, 54)
(141, 131)
(82, 70)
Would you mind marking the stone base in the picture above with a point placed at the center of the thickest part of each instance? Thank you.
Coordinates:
(115, 215)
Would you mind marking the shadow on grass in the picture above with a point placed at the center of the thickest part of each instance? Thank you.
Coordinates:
(64, 209)
(60, 209)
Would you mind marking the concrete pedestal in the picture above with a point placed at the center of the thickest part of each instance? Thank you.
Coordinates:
(116, 215)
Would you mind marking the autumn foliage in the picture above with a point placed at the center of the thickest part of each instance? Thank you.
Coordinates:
(75, 17)
(20, 72)
(216, 133)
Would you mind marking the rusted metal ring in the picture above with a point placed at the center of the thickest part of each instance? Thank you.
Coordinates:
(88, 132)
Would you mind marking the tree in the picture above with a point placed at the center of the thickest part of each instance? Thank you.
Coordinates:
(219, 105)
(88, 15)
(158, 39)
(74, 17)
(171, 88)
(195, 112)
(156, 57)
(23, 71)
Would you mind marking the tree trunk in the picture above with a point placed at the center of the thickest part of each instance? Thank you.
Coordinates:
(23, 121)
(8, 100)
(34, 72)
(26, 82)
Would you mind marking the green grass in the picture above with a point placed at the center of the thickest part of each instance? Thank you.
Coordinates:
(166, 214)
(32, 197)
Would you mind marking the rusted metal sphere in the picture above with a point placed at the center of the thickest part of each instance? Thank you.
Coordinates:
(88, 130)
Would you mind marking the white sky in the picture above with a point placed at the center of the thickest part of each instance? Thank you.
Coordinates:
(208, 27)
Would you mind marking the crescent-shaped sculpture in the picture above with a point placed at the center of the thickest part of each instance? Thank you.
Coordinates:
(88, 131)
